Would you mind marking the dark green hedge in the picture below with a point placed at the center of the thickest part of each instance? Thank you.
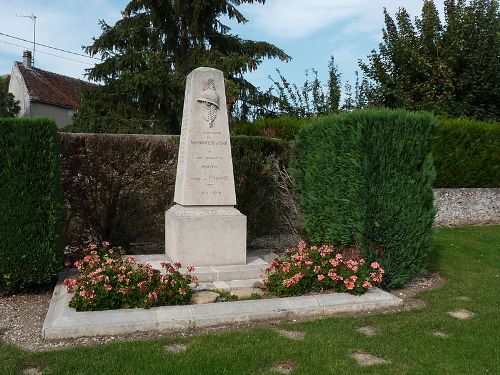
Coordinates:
(31, 247)
(467, 154)
(117, 187)
(254, 163)
(367, 177)
(285, 127)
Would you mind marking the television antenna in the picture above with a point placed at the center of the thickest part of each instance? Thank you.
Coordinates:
(33, 18)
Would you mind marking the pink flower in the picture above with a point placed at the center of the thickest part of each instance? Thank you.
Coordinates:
(105, 243)
(108, 287)
(190, 268)
(367, 284)
(321, 277)
(349, 284)
(374, 265)
(317, 268)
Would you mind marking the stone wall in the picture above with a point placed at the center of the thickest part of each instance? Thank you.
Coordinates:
(467, 206)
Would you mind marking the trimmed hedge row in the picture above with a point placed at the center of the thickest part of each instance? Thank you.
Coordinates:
(467, 154)
(31, 247)
(367, 177)
(285, 127)
(117, 187)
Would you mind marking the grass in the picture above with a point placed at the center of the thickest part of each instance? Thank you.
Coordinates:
(469, 257)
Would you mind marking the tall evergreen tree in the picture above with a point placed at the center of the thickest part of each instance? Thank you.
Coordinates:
(448, 67)
(148, 53)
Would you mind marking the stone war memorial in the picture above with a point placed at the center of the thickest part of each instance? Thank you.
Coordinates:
(204, 228)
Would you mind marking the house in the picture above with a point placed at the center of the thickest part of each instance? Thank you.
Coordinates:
(43, 93)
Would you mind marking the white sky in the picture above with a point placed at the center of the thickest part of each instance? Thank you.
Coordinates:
(309, 31)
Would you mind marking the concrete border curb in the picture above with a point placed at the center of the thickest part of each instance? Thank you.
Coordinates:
(63, 322)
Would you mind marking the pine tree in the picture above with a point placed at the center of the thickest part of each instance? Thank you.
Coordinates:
(148, 53)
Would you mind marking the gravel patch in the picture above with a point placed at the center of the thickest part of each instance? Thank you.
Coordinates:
(293, 335)
(440, 334)
(366, 359)
(368, 330)
(282, 368)
(176, 348)
(461, 314)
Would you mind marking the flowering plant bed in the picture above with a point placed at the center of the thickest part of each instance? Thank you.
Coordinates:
(308, 269)
(105, 281)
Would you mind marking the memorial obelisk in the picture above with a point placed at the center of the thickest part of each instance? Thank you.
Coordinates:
(203, 228)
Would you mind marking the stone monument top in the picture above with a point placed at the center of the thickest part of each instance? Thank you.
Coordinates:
(205, 167)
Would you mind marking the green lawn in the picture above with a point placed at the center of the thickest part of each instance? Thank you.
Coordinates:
(469, 257)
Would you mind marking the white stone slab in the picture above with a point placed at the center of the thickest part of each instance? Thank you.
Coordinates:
(205, 167)
(205, 235)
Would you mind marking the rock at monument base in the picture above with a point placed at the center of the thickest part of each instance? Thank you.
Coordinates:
(205, 235)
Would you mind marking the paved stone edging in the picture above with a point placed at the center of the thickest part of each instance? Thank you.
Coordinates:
(64, 322)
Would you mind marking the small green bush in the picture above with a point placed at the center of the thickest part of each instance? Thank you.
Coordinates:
(285, 127)
(367, 177)
(106, 281)
(31, 247)
(307, 269)
(467, 154)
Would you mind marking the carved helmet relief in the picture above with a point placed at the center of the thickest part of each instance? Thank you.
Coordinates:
(210, 101)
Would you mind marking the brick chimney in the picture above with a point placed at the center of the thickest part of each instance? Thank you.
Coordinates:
(27, 59)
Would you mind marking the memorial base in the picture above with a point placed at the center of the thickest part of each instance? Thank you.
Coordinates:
(205, 235)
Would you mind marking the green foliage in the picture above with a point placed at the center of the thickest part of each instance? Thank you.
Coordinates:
(9, 106)
(449, 68)
(328, 158)
(106, 281)
(312, 99)
(254, 161)
(467, 154)
(31, 203)
(148, 53)
(117, 187)
(284, 127)
(307, 269)
(367, 176)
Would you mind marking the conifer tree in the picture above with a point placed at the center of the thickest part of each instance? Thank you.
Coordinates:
(148, 53)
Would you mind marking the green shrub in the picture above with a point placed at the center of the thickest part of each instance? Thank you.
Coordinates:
(254, 161)
(367, 176)
(106, 281)
(117, 187)
(285, 127)
(467, 154)
(30, 203)
(307, 269)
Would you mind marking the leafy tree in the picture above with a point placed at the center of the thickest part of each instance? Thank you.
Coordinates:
(334, 83)
(448, 67)
(312, 98)
(9, 106)
(148, 53)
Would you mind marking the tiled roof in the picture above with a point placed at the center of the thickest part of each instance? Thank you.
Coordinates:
(51, 88)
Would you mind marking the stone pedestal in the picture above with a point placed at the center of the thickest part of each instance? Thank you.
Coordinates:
(204, 228)
(205, 236)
